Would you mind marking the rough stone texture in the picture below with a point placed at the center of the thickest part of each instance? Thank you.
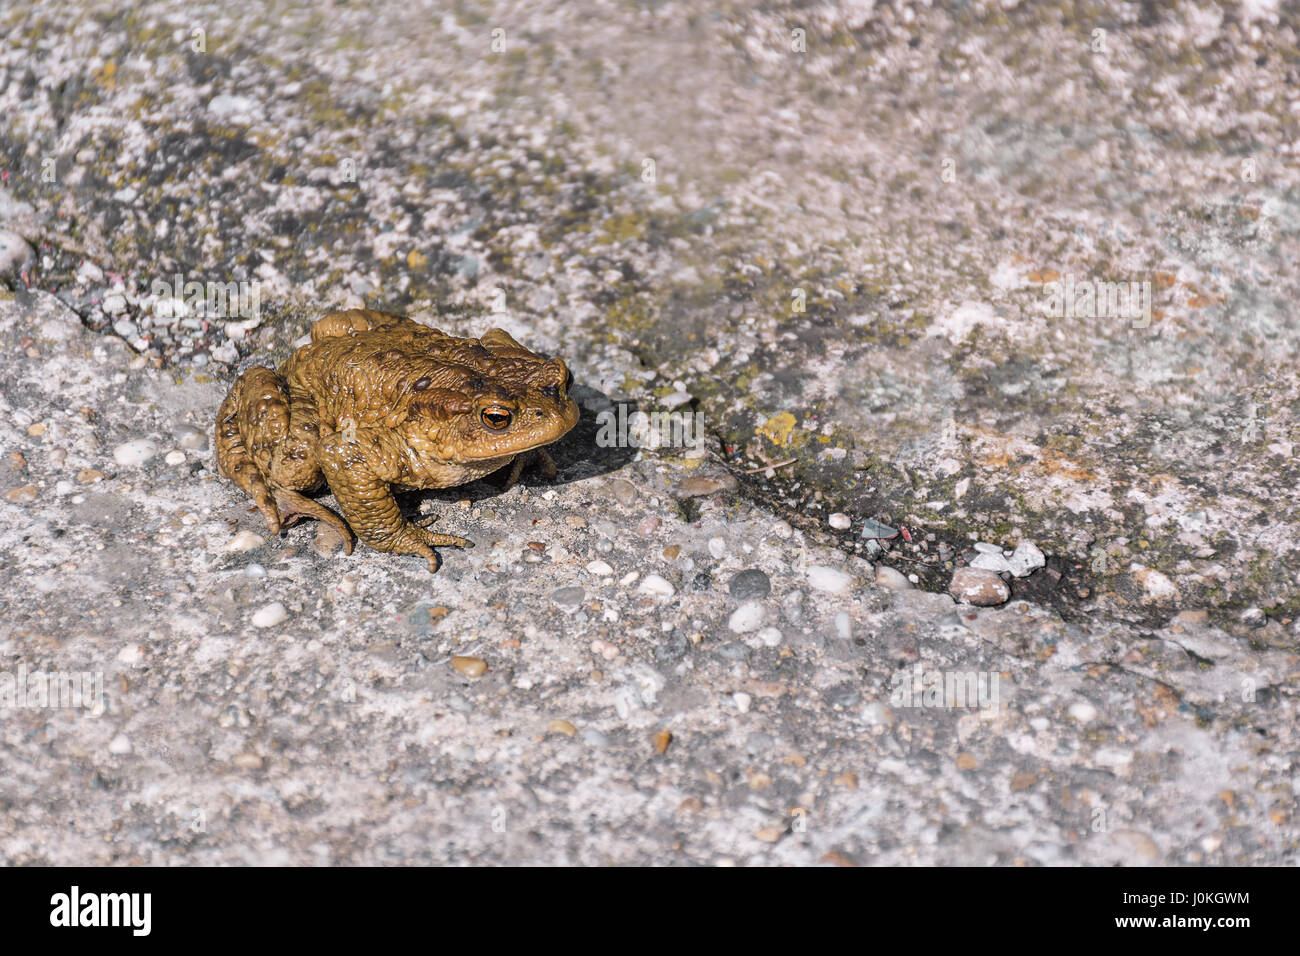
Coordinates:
(1145, 678)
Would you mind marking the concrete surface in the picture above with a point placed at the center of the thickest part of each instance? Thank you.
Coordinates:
(840, 250)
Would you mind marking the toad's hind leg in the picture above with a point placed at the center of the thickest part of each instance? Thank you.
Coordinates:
(242, 452)
(266, 443)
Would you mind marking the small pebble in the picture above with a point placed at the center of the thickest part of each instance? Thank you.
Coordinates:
(568, 599)
(22, 494)
(561, 727)
(978, 586)
(840, 521)
(647, 526)
(742, 701)
(248, 761)
(702, 581)
(1156, 586)
(750, 585)
(1026, 559)
(245, 541)
(873, 530)
(782, 529)
(830, 580)
(187, 436)
(599, 568)
(770, 637)
(717, 548)
(121, 744)
(661, 741)
(255, 571)
(327, 540)
(469, 666)
(624, 491)
(792, 606)
(175, 458)
(1082, 711)
(656, 585)
(748, 617)
(594, 738)
(270, 615)
(843, 626)
(88, 476)
(993, 561)
(134, 453)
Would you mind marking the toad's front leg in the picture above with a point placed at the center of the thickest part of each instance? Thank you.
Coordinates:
(360, 473)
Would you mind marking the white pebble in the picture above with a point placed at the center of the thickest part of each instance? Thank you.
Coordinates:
(121, 744)
(782, 529)
(829, 579)
(991, 561)
(245, 541)
(114, 304)
(770, 636)
(840, 521)
(627, 579)
(1026, 558)
(843, 626)
(746, 618)
(270, 615)
(742, 701)
(131, 655)
(600, 568)
(1082, 711)
(717, 548)
(135, 452)
(175, 458)
(656, 585)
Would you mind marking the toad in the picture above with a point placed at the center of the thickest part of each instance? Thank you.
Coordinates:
(377, 403)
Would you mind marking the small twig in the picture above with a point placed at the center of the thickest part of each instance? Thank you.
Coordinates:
(779, 464)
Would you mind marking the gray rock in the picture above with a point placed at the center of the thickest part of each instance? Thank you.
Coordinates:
(568, 599)
(750, 585)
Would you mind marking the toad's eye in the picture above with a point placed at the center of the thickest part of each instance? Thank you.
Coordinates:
(496, 418)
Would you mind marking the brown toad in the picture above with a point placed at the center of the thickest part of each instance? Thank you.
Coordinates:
(378, 402)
